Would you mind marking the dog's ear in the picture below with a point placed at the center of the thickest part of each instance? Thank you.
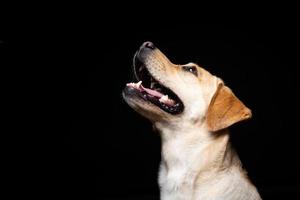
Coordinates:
(225, 109)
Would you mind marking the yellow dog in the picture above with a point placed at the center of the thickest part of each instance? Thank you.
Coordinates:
(192, 110)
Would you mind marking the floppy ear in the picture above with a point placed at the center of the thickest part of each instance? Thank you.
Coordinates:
(225, 109)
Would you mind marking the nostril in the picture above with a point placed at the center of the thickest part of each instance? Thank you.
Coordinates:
(149, 45)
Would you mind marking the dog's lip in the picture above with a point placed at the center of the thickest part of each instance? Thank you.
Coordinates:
(135, 63)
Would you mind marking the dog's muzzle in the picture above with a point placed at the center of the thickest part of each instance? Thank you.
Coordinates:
(149, 89)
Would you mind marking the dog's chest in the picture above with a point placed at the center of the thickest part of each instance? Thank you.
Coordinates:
(178, 172)
(175, 183)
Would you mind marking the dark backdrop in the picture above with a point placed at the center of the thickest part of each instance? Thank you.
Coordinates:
(91, 145)
(111, 151)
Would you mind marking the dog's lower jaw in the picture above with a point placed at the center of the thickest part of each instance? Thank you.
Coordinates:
(198, 165)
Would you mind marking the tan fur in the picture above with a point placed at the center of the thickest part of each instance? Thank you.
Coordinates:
(225, 109)
(198, 162)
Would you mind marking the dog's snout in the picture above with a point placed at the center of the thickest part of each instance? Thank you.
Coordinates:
(145, 49)
(149, 45)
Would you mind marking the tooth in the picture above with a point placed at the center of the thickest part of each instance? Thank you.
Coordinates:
(164, 98)
(138, 84)
(152, 85)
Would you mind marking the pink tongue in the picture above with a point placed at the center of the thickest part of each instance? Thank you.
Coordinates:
(152, 92)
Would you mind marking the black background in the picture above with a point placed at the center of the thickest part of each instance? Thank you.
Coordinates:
(91, 145)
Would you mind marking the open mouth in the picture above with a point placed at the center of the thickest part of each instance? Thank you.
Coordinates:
(151, 90)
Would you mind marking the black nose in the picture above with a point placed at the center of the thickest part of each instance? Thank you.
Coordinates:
(149, 45)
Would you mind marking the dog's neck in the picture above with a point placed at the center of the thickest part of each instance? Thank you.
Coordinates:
(195, 149)
(193, 159)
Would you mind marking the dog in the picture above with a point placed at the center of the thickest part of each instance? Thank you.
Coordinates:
(192, 110)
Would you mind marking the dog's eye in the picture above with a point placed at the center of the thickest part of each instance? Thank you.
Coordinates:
(191, 69)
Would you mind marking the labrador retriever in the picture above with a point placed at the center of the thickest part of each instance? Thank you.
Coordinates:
(192, 110)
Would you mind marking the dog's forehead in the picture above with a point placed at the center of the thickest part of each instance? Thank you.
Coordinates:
(191, 64)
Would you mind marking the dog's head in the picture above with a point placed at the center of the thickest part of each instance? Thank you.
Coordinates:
(170, 93)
